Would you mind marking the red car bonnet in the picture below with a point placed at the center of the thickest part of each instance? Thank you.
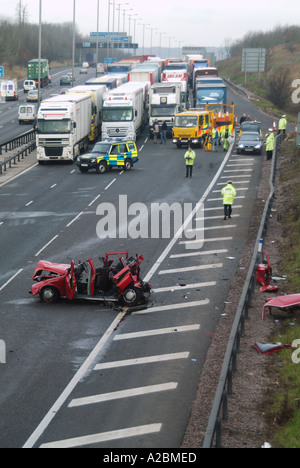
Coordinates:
(58, 268)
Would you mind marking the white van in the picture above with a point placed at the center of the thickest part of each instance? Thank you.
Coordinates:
(29, 85)
(27, 114)
(9, 90)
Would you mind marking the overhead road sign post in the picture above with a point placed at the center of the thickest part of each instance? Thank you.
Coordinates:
(253, 61)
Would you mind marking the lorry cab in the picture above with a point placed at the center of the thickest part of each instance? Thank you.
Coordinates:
(193, 126)
(109, 154)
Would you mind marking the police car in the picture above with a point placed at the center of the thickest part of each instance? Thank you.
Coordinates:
(109, 154)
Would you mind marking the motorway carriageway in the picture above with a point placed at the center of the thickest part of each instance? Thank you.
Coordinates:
(137, 375)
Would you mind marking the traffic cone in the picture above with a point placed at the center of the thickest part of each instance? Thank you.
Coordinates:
(235, 121)
(296, 130)
(274, 125)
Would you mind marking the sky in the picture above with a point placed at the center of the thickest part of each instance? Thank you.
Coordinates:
(186, 22)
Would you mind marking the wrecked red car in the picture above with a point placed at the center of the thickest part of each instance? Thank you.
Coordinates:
(108, 283)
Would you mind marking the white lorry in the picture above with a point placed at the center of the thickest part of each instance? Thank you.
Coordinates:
(165, 101)
(125, 111)
(177, 75)
(63, 127)
(144, 73)
(97, 93)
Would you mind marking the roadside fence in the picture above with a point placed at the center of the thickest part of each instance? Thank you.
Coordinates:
(27, 139)
(14, 143)
(219, 412)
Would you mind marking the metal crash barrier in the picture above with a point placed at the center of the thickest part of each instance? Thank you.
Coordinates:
(28, 139)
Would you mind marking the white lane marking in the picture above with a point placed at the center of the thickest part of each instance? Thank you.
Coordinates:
(76, 379)
(215, 239)
(160, 331)
(237, 182)
(235, 176)
(95, 199)
(239, 170)
(45, 246)
(75, 219)
(238, 189)
(30, 203)
(192, 268)
(195, 254)
(109, 185)
(11, 279)
(187, 286)
(239, 165)
(141, 361)
(218, 199)
(104, 437)
(244, 160)
(52, 186)
(213, 228)
(173, 307)
(207, 218)
(132, 392)
(216, 208)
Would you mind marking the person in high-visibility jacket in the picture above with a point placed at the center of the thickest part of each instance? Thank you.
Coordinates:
(189, 161)
(228, 194)
(282, 124)
(270, 144)
(215, 139)
(225, 134)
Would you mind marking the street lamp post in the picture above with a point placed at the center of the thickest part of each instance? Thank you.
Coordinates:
(129, 22)
(97, 41)
(134, 29)
(160, 43)
(119, 14)
(40, 53)
(108, 35)
(144, 25)
(74, 37)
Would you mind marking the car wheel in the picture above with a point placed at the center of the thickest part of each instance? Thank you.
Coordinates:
(128, 165)
(49, 295)
(131, 296)
(102, 166)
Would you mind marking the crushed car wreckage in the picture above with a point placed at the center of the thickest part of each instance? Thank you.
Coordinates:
(108, 283)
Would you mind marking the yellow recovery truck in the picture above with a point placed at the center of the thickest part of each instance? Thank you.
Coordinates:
(194, 126)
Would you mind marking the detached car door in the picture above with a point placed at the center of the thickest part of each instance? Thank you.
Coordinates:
(70, 282)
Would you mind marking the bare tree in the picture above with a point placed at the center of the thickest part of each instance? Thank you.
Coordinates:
(21, 13)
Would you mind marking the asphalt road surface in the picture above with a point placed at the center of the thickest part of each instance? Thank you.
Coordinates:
(82, 375)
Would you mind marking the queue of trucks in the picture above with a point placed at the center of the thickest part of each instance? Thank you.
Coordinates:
(133, 94)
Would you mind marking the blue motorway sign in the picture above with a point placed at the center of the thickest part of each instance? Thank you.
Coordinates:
(1, 72)
(113, 37)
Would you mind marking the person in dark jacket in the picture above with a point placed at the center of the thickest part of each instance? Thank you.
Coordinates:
(163, 133)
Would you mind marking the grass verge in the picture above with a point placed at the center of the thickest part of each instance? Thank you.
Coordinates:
(283, 398)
